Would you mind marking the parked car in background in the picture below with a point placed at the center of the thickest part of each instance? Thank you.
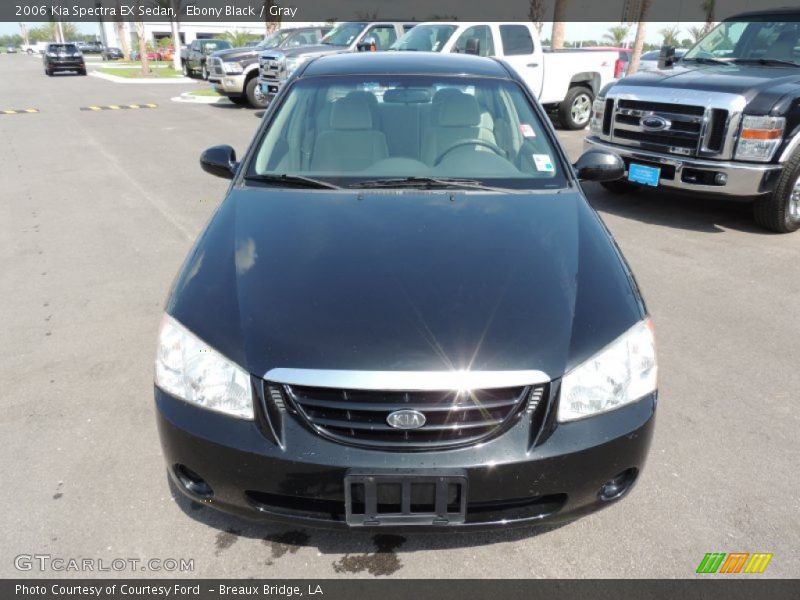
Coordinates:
(723, 121)
(481, 356)
(649, 60)
(564, 82)
(36, 48)
(63, 57)
(11, 50)
(152, 55)
(112, 53)
(91, 47)
(194, 60)
(234, 72)
(275, 66)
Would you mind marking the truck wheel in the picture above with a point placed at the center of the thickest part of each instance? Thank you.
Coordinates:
(576, 109)
(185, 69)
(780, 211)
(254, 96)
(204, 72)
(620, 186)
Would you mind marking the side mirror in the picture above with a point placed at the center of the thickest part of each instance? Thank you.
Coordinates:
(666, 57)
(368, 44)
(473, 46)
(599, 165)
(219, 161)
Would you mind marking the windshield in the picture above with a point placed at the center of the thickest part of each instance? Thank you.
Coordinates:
(741, 41)
(425, 38)
(62, 48)
(345, 130)
(272, 40)
(343, 34)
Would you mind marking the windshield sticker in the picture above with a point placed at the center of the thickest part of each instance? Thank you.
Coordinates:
(526, 130)
(543, 162)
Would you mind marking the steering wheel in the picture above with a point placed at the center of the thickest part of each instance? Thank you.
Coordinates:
(474, 142)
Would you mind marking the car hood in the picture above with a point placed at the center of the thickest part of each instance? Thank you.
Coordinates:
(405, 281)
(761, 86)
(238, 54)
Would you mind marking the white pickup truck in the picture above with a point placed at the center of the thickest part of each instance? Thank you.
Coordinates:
(565, 82)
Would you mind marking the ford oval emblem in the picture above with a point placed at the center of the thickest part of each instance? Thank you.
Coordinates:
(654, 123)
(406, 419)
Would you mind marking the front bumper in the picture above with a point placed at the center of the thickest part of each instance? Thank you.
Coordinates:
(510, 482)
(228, 85)
(696, 175)
(269, 87)
(67, 65)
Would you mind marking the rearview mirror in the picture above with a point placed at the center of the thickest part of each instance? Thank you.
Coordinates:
(473, 46)
(219, 161)
(599, 165)
(368, 44)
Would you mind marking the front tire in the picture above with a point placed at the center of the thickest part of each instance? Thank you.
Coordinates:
(204, 72)
(254, 95)
(780, 211)
(185, 69)
(576, 109)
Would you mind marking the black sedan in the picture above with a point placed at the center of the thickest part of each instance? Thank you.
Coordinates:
(405, 313)
(112, 54)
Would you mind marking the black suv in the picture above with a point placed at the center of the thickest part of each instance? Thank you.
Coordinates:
(63, 57)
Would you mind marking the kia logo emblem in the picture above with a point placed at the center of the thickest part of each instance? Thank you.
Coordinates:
(406, 419)
(654, 123)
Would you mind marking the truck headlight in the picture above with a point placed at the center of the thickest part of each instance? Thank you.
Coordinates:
(759, 137)
(189, 369)
(293, 62)
(621, 373)
(232, 68)
(598, 112)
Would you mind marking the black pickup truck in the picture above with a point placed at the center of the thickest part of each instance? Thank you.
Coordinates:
(234, 72)
(723, 120)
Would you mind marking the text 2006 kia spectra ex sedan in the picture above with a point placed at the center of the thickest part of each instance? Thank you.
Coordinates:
(405, 313)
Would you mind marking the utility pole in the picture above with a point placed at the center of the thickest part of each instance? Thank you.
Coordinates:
(24, 31)
(176, 36)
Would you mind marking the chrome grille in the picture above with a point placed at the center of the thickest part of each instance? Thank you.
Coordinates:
(215, 67)
(272, 66)
(682, 134)
(451, 418)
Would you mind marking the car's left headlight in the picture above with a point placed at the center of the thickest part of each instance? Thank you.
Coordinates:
(759, 137)
(621, 373)
(232, 68)
(191, 370)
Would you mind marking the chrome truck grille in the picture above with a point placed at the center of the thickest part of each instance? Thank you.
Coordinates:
(437, 416)
(673, 121)
(215, 67)
(272, 66)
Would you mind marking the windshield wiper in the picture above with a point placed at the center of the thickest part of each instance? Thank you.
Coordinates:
(295, 180)
(429, 183)
(707, 60)
(766, 61)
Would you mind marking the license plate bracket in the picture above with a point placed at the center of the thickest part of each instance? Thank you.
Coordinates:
(644, 174)
(405, 497)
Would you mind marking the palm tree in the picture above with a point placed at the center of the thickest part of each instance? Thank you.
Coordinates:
(638, 42)
(696, 33)
(536, 14)
(708, 9)
(616, 35)
(670, 35)
(559, 12)
(273, 23)
(237, 39)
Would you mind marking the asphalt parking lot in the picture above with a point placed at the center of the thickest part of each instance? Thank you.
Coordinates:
(97, 211)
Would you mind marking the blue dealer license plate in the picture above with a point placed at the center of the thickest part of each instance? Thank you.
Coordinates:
(643, 174)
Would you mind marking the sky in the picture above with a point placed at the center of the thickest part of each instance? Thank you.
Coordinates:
(575, 31)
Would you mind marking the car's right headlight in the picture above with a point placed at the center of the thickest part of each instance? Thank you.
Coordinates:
(189, 369)
(232, 68)
(621, 373)
(293, 62)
